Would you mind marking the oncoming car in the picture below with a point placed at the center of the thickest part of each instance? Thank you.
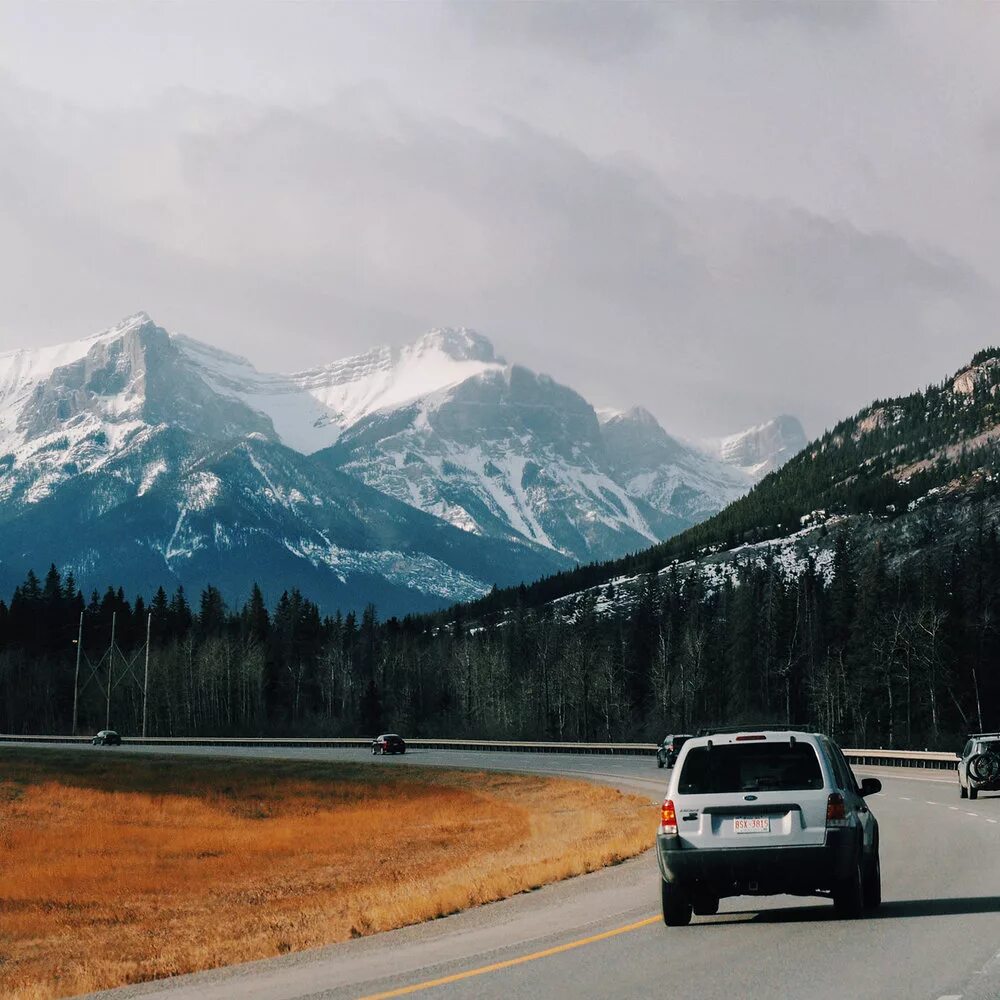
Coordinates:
(107, 738)
(388, 743)
(979, 767)
(763, 812)
(667, 751)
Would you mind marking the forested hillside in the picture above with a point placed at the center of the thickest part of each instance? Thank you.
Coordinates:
(886, 457)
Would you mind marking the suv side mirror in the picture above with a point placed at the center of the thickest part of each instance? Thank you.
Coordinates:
(869, 786)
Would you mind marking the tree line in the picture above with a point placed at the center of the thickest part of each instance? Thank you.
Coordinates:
(876, 653)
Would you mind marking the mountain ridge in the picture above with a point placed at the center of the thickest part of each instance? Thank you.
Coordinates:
(519, 465)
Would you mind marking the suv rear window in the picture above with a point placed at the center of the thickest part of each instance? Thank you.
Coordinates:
(752, 767)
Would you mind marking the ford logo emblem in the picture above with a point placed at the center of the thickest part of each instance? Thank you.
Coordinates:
(750, 798)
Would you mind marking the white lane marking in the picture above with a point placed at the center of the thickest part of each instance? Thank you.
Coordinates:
(951, 996)
(931, 803)
(991, 821)
(903, 798)
(973, 814)
(953, 808)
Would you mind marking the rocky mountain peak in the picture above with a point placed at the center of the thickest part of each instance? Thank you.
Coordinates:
(132, 373)
(458, 343)
(133, 322)
(764, 448)
(667, 473)
(109, 381)
(982, 371)
(641, 420)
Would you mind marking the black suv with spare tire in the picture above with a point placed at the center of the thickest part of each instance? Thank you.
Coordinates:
(979, 766)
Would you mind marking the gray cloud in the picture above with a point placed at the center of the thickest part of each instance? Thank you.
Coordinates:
(597, 31)
(295, 238)
(808, 15)
(707, 220)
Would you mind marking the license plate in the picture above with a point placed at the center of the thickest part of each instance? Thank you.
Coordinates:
(752, 824)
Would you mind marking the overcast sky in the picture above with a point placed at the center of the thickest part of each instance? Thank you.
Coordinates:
(722, 212)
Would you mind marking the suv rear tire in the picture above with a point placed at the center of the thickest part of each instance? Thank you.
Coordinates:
(963, 792)
(849, 894)
(676, 905)
(973, 792)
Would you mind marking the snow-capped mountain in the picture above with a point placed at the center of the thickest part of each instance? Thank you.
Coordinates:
(446, 426)
(409, 476)
(669, 475)
(120, 460)
(761, 449)
(506, 452)
(311, 409)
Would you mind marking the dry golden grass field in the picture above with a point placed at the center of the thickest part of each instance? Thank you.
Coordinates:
(116, 868)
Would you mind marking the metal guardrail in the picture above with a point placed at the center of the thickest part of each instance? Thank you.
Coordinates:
(870, 757)
(904, 758)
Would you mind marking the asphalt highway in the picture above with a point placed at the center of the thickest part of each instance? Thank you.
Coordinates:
(937, 934)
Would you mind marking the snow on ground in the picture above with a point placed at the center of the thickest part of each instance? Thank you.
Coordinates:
(417, 571)
(790, 556)
(202, 490)
(150, 474)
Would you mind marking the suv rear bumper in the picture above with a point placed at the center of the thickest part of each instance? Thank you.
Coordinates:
(759, 870)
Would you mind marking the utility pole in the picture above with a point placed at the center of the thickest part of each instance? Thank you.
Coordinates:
(145, 680)
(76, 676)
(111, 667)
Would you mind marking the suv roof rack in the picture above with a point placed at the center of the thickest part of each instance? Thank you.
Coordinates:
(976, 736)
(713, 730)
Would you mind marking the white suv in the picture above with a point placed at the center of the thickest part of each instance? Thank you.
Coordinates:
(761, 812)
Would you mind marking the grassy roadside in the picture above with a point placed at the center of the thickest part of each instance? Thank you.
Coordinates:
(118, 868)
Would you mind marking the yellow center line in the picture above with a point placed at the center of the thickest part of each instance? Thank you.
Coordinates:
(497, 966)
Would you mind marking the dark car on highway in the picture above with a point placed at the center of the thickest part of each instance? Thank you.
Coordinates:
(667, 751)
(107, 738)
(388, 743)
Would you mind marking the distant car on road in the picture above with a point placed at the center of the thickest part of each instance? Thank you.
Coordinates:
(979, 767)
(388, 743)
(107, 738)
(667, 751)
(762, 812)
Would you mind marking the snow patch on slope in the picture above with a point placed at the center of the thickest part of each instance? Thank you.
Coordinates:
(311, 409)
(791, 556)
(416, 571)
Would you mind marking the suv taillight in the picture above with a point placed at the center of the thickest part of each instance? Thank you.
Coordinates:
(836, 810)
(668, 818)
